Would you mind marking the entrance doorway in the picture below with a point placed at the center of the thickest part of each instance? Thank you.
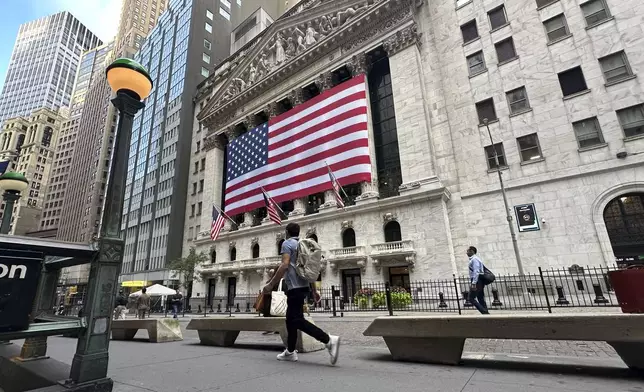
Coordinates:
(624, 219)
(351, 283)
(232, 290)
(211, 291)
(399, 277)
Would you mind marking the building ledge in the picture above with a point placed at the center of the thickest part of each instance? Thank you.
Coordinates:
(577, 94)
(595, 147)
(601, 22)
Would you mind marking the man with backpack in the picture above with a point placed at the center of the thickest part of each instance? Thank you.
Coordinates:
(478, 281)
(300, 267)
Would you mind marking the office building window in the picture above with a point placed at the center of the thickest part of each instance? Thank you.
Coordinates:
(572, 81)
(485, 110)
(226, 3)
(497, 17)
(556, 28)
(207, 44)
(632, 120)
(205, 58)
(588, 132)
(529, 147)
(205, 72)
(224, 13)
(518, 100)
(209, 15)
(615, 67)
(489, 154)
(208, 27)
(505, 50)
(460, 3)
(476, 63)
(470, 31)
(239, 2)
(543, 3)
(595, 11)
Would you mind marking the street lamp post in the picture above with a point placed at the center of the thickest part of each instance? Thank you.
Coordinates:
(13, 184)
(132, 84)
(515, 243)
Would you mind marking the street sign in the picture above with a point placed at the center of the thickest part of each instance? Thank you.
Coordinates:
(19, 275)
(526, 216)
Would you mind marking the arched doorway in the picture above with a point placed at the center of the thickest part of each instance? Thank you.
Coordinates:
(348, 238)
(213, 257)
(624, 220)
(392, 232)
(255, 251)
(233, 254)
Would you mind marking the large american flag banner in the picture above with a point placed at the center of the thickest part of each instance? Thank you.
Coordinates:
(288, 156)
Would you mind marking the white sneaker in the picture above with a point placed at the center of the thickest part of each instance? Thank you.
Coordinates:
(334, 348)
(287, 356)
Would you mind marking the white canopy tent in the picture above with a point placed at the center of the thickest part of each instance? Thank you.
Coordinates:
(155, 291)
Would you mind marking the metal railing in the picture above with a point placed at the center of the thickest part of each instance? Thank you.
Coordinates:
(545, 290)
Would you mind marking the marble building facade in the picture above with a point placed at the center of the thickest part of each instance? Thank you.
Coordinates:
(558, 82)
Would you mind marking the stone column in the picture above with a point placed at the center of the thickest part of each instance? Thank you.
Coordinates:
(248, 220)
(412, 119)
(299, 205)
(213, 146)
(360, 64)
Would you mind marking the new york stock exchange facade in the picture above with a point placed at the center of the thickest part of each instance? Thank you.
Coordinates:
(432, 193)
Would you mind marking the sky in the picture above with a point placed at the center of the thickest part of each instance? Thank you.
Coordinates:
(100, 16)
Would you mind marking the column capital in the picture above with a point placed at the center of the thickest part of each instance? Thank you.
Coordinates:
(359, 64)
(296, 97)
(231, 132)
(271, 109)
(213, 141)
(324, 81)
(402, 39)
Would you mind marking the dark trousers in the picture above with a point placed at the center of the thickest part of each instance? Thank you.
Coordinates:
(295, 319)
(477, 298)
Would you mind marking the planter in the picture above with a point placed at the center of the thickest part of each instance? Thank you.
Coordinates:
(629, 288)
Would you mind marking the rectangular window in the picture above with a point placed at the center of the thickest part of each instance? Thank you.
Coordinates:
(518, 100)
(196, 167)
(204, 72)
(192, 210)
(489, 154)
(469, 31)
(543, 3)
(207, 44)
(209, 15)
(460, 3)
(485, 110)
(572, 81)
(588, 132)
(615, 67)
(632, 120)
(224, 13)
(239, 2)
(200, 186)
(203, 164)
(206, 58)
(199, 208)
(529, 147)
(497, 17)
(226, 3)
(556, 27)
(595, 11)
(194, 188)
(505, 50)
(208, 27)
(476, 63)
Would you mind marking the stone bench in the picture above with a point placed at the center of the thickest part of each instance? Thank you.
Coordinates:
(223, 331)
(160, 330)
(440, 338)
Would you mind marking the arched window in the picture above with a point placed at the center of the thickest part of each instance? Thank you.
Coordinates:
(46, 136)
(392, 232)
(623, 217)
(313, 237)
(348, 238)
(255, 251)
(279, 247)
(233, 254)
(213, 257)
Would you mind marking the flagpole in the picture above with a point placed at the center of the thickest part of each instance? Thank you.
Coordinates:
(225, 215)
(274, 203)
(334, 178)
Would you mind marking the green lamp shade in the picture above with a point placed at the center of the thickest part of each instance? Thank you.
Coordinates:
(128, 75)
(12, 181)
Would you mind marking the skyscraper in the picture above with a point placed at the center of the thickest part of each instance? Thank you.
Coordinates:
(43, 65)
(138, 17)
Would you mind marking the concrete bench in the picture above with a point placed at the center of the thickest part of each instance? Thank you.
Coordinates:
(160, 330)
(223, 331)
(440, 338)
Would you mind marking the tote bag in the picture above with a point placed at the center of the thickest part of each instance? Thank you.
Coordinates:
(278, 301)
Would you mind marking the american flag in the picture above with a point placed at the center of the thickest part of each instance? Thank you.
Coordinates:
(288, 156)
(217, 224)
(272, 209)
(3, 166)
(336, 189)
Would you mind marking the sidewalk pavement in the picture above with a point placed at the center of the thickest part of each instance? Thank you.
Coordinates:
(138, 366)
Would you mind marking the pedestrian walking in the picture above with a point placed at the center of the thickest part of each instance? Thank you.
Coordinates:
(121, 306)
(298, 289)
(143, 304)
(177, 300)
(477, 288)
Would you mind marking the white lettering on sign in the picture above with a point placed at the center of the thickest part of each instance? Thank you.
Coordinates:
(10, 273)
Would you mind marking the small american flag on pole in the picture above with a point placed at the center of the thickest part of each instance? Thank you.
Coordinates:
(336, 189)
(272, 209)
(217, 224)
(288, 156)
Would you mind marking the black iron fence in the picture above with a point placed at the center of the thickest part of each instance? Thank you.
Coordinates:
(547, 289)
